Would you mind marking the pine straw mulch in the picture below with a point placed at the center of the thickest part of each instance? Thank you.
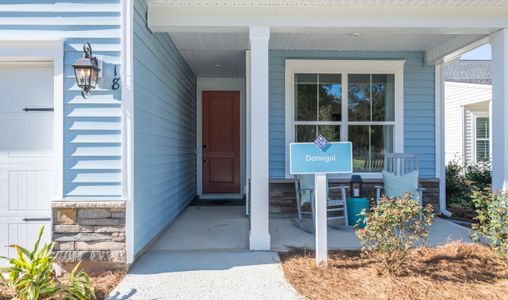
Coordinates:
(103, 283)
(453, 271)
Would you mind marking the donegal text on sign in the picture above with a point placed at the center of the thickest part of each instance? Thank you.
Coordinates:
(306, 158)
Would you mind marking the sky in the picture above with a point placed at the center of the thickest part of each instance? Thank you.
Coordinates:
(480, 53)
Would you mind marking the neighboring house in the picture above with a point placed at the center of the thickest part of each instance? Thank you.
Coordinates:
(210, 95)
(468, 93)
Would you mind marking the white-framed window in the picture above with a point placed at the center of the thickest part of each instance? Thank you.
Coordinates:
(347, 100)
(481, 137)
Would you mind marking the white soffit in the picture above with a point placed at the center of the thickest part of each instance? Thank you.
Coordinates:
(222, 54)
(296, 3)
(328, 40)
(216, 63)
(210, 40)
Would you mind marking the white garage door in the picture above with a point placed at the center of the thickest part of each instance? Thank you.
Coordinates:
(26, 153)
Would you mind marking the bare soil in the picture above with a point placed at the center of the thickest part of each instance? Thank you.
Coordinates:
(103, 283)
(453, 271)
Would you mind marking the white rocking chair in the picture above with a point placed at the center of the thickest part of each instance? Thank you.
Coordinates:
(336, 207)
(400, 164)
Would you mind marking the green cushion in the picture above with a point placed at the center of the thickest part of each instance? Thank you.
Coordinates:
(396, 186)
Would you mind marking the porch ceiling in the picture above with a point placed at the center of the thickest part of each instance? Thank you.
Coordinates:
(221, 54)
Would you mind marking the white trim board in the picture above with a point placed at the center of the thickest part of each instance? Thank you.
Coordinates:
(220, 84)
(474, 116)
(344, 67)
(127, 90)
(479, 19)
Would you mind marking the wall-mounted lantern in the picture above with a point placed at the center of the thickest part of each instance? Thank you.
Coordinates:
(87, 71)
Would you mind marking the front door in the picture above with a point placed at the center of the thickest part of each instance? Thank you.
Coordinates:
(26, 153)
(221, 142)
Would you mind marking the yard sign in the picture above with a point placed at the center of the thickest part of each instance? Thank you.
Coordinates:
(320, 158)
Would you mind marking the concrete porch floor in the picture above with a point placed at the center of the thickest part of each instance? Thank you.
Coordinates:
(215, 228)
(285, 236)
(226, 228)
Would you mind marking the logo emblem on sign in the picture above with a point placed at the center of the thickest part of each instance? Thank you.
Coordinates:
(321, 142)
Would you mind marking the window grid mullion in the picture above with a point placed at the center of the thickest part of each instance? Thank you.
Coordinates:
(317, 99)
(374, 123)
(344, 134)
(370, 96)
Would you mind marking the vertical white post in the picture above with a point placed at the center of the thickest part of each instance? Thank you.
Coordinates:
(127, 74)
(248, 128)
(499, 42)
(259, 238)
(320, 219)
(440, 138)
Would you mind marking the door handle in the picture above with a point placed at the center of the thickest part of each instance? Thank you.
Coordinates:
(36, 219)
(204, 154)
(27, 109)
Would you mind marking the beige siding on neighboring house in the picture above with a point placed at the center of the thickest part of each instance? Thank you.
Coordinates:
(461, 101)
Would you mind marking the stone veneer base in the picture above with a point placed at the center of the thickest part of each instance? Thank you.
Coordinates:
(282, 193)
(91, 232)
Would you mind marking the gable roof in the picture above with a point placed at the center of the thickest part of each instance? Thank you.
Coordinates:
(469, 71)
(296, 3)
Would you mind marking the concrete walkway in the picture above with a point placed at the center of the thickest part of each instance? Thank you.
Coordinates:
(206, 275)
(203, 255)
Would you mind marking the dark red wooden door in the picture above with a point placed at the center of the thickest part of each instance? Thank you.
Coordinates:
(221, 142)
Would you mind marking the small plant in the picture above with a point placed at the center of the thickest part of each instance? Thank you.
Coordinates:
(492, 220)
(31, 276)
(461, 181)
(77, 287)
(392, 230)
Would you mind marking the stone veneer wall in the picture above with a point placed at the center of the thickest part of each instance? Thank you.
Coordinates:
(92, 232)
(282, 193)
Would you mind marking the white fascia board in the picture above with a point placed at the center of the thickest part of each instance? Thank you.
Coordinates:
(59, 7)
(166, 18)
(454, 48)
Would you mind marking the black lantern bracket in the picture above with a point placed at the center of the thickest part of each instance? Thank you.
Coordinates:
(88, 70)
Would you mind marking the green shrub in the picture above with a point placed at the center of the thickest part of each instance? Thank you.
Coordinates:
(492, 220)
(462, 181)
(392, 230)
(457, 189)
(479, 175)
(31, 276)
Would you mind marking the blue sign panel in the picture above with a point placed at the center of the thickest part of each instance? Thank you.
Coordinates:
(309, 158)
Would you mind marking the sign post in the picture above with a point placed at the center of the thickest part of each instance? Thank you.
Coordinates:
(321, 232)
(320, 158)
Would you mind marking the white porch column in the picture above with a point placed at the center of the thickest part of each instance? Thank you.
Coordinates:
(499, 42)
(259, 238)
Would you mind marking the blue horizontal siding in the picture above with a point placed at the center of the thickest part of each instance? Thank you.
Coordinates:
(164, 131)
(92, 127)
(419, 107)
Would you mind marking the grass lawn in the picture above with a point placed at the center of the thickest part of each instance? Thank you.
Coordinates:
(453, 271)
